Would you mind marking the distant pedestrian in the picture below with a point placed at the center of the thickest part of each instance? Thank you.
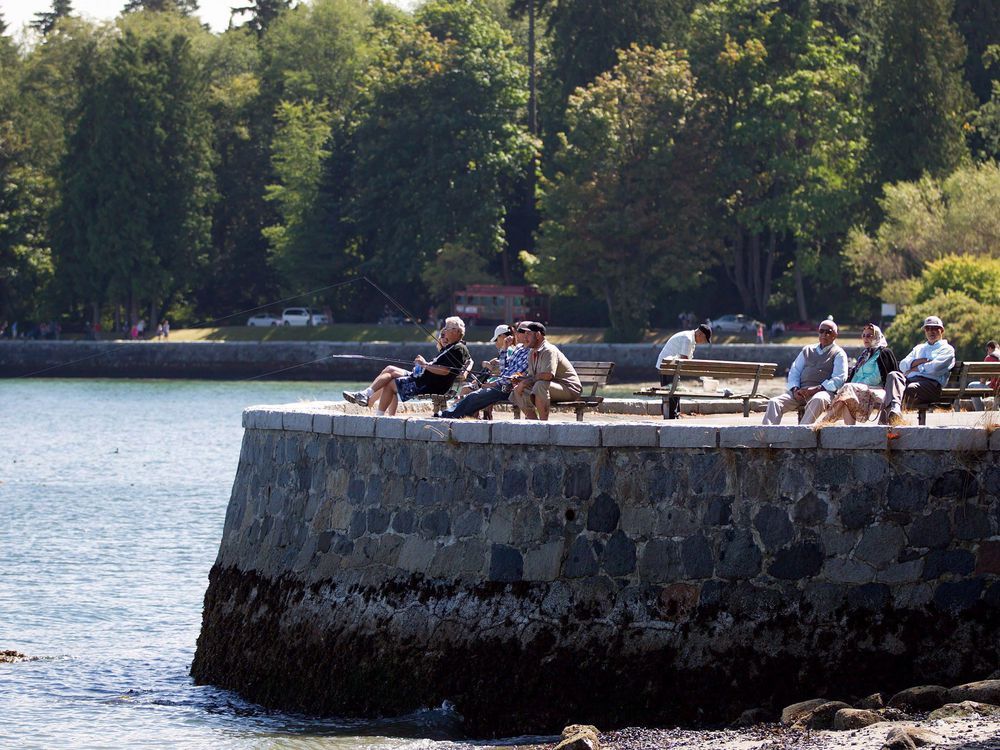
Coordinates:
(166, 328)
(140, 327)
(760, 333)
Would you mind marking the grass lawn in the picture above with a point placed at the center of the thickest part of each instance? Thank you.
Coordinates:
(364, 332)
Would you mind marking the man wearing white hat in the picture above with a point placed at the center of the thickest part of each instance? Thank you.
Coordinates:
(512, 363)
(813, 378)
(921, 375)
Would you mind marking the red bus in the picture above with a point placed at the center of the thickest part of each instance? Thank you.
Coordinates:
(489, 304)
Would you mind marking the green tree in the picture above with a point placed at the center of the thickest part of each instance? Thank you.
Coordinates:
(184, 7)
(454, 267)
(298, 163)
(623, 211)
(918, 97)
(788, 140)
(134, 220)
(975, 276)
(926, 220)
(238, 274)
(46, 21)
(262, 14)
(438, 137)
(978, 21)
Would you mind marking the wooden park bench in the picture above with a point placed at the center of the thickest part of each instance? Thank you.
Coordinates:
(957, 388)
(672, 370)
(593, 375)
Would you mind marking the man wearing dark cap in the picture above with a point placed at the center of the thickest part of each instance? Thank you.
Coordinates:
(550, 376)
(681, 346)
(921, 374)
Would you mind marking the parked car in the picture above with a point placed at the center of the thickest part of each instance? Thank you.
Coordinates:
(303, 316)
(735, 324)
(263, 319)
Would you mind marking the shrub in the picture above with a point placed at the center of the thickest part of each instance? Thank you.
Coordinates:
(976, 276)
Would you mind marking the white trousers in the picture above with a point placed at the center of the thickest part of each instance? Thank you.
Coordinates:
(815, 407)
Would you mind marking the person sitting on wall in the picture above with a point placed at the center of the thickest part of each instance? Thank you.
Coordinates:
(816, 374)
(681, 346)
(496, 389)
(864, 391)
(503, 340)
(550, 377)
(921, 375)
(395, 384)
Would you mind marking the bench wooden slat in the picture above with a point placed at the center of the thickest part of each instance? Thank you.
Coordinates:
(676, 369)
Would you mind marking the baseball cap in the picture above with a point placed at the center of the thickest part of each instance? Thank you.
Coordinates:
(707, 331)
(501, 330)
(932, 320)
(830, 324)
(534, 326)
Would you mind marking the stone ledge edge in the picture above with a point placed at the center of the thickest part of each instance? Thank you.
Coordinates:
(349, 422)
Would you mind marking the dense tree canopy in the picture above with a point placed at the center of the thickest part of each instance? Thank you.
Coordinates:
(787, 157)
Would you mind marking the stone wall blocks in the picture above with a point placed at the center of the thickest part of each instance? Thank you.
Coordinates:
(471, 430)
(767, 436)
(354, 425)
(522, 432)
(629, 434)
(853, 437)
(389, 428)
(249, 418)
(995, 440)
(940, 439)
(431, 430)
(575, 434)
(688, 436)
(297, 421)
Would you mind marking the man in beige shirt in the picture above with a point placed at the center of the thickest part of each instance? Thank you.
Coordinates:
(550, 376)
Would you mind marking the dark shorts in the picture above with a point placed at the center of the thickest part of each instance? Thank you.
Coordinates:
(407, 387)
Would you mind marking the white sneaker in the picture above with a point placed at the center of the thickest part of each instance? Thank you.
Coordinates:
(356, 397)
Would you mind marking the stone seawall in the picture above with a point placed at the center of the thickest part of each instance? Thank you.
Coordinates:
(616, 573)
(305, 360)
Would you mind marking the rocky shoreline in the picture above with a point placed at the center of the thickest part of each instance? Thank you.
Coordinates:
(964, 717)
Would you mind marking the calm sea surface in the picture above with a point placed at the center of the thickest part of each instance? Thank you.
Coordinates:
(112, 499)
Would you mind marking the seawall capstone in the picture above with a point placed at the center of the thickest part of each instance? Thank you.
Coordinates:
(376, 565)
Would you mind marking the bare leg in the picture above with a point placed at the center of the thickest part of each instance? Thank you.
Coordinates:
(387, 399)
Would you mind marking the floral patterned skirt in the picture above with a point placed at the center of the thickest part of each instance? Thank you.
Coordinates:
(860, 400)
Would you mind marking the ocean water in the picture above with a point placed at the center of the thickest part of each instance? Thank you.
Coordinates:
(112, 499)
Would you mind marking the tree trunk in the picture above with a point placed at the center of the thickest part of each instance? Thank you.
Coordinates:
(800, 292)
(95, 319)
(532, 92)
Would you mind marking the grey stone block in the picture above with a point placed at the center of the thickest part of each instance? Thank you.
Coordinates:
(390, 428)
(506, 564)
(248, 419)
(297, 421)
(619, 555)
(773, 526)
(581, 561)
(575, 434)
(521, 432)
(767, 436)
(433, 430)
(471, 430)
(322, 423)
(852, 437)
(416, 554)
(880, 544)
(840, 570)
(905, 572)
(603, 515)
(626, 434)
(660, 561)
(995, 441)
(739, 556)
(543, 564)
(354, 425)
(802, 560)
(688, 436)
(940, 439)
(269, 419)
